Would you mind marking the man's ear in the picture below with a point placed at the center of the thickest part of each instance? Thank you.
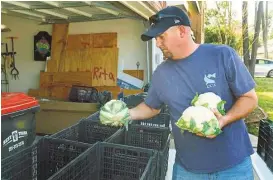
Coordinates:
(182, 31)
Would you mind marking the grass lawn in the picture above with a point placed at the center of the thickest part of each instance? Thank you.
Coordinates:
(265, 94)
(264, 91)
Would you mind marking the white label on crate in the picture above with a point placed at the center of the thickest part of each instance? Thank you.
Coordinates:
(21, 143)
(14, 137)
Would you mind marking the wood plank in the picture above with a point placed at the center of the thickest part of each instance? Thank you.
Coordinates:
(135, 73)
(46, 78)
(104, 40)
(85, 64)
(68, 106)
(42, 92)
(59, 41)
(60, 92)
(104, 66)
(79, 41)
(73, 78)
(65, 79)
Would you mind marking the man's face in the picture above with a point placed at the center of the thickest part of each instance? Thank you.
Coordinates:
(167, 41)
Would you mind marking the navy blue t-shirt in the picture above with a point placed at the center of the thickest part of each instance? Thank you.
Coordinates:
(211, 68)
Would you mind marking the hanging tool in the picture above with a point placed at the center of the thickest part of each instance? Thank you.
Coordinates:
(4, 67)
(14, 71)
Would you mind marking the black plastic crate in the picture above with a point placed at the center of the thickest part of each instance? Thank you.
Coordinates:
(269, 162)
(106, 161)
(160, 120)
(155, 138)
(134, 100)
(41, 160)
(88, 130)
(263, 138)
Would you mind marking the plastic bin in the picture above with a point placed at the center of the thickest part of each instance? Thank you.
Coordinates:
(17, 122)
(136, 99)
(160, 120)
(106, 161)
(88, 130)
(263, 138)
(41, 160)
(269, 153)
(147, 137)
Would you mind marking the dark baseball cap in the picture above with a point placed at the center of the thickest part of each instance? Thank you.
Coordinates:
(163, 20)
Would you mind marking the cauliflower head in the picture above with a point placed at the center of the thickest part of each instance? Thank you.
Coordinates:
(199, 119)
(209, 100)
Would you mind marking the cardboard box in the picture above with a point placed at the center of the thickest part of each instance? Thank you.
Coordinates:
(127, 81)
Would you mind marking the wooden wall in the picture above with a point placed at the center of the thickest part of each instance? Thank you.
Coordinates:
(84, 60)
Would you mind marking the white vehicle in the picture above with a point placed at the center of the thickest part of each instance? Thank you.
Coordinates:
(264, 68)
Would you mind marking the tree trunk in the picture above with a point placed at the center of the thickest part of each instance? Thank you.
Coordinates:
(256, 38)
(265, 35)
(256, 10)
(229, 20)
(245, 33)
(218, 25)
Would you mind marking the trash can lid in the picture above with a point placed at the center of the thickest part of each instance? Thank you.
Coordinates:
(16, 101)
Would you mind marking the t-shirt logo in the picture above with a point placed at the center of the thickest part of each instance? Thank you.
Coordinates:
(209, 80)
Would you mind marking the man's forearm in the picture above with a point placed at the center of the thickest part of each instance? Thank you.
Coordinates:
(243, 107)
(142, 111)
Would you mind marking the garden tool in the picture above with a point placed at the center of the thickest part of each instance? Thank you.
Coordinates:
(4, 67)
(14, 71)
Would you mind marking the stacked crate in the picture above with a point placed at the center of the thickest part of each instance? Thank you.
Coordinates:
(265, 142)
(91, 150)
(153, 133)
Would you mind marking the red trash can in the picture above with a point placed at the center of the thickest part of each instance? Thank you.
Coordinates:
(17, 122)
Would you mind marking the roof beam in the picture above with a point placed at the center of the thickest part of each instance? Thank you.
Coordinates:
(28, 13)
(127, 4)
(76, 11)
(197, 6)
(52, 13)
(19, 4)
(146, 7)
(111, 11)
(40, 10)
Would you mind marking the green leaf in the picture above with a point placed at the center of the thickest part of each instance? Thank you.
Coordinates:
(214, 123)
(221, 107)
(218, 131)
(181, 123)
(206, 127)
(194, 99)
(210, 131)
(192, 124)
(196, 130)
(206, 105)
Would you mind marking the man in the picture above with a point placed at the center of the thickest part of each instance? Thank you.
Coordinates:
(191, 68)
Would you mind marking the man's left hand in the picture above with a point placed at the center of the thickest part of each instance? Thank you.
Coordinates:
(221, 121)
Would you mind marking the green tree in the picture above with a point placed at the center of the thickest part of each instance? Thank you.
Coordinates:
(220, 28)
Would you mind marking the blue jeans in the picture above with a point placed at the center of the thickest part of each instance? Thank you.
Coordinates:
(242, 171)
